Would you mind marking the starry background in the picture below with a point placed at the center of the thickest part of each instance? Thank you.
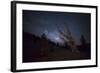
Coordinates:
(39, 22)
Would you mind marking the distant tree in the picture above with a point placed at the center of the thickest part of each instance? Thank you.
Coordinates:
(43, 36)
(83, 40)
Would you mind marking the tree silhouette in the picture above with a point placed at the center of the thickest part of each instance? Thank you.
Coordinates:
(83, 40)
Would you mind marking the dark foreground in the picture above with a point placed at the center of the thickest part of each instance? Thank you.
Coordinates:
(36, 49)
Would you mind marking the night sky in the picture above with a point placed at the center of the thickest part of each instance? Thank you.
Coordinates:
(39, 22)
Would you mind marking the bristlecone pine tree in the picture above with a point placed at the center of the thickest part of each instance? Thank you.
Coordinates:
(68, 37)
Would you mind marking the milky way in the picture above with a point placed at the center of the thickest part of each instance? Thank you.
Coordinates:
(39, 22)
